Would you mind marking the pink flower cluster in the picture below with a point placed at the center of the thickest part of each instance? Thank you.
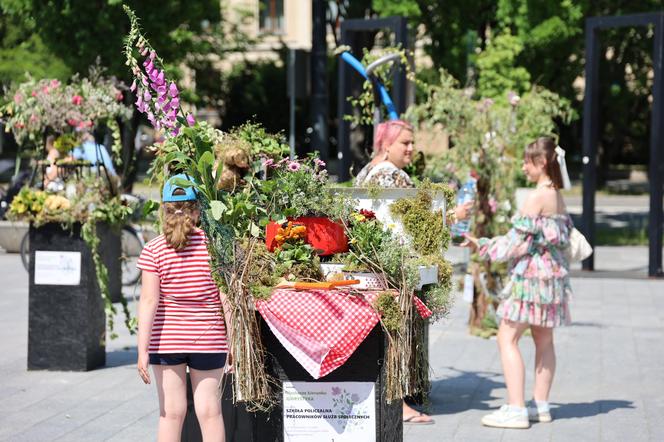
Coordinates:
(156, 97)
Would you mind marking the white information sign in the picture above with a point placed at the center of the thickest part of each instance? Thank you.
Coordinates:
(57, 268)
(329, 411)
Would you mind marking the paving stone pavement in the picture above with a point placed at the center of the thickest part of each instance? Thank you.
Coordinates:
(609, 384)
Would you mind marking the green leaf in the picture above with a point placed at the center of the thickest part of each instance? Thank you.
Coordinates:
(218, 208)
(182, 182)
(254, 230)
(150, 206)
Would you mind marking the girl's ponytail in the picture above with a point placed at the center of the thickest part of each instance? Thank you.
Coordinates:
(545, 148)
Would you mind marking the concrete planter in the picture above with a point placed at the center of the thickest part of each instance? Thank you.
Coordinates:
(11, 234)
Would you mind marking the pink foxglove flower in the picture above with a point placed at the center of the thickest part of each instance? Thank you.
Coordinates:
(173, 90)
(190, 120)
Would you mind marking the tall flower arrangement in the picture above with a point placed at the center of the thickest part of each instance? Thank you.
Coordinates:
(228, 218)
(156, 96)
(489, 138)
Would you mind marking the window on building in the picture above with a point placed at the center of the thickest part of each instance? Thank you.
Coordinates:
(271, 16)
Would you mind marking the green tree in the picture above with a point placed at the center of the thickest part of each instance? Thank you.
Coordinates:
(80, 31)
(23, 51)
(497, 68)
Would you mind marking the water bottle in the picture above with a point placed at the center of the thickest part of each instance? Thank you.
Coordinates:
(466, 193)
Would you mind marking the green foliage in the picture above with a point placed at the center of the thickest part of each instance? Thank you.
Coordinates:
(402, 8)
(261, 142)
(80, 31)
(439, 300)
(497, 67)
(390, 315)
(488, 137)
(425, 227)
(296, 188)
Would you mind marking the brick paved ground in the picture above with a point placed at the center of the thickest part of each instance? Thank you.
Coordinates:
(609, 386)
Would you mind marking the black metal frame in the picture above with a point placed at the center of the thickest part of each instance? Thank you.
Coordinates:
(590, 128)
(350, 28)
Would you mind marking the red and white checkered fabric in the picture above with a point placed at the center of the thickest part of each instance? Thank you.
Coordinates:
(322, 328)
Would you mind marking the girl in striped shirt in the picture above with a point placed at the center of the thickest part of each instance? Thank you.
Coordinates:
(180, 320)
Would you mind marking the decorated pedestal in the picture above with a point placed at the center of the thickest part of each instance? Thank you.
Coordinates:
(66, 320)
(325, 351)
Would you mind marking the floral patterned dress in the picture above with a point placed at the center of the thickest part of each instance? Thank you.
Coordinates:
(383, 174)
(539, 289)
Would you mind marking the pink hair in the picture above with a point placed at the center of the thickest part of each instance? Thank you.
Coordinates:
(387, 133)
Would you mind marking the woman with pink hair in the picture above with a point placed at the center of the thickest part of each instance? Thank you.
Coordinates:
(393, 150)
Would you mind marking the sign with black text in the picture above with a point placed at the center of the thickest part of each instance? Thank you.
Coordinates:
(329, 411)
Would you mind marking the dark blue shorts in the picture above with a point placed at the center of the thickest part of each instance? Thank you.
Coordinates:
(197, 361)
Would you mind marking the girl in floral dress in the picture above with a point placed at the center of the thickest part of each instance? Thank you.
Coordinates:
(538, 290)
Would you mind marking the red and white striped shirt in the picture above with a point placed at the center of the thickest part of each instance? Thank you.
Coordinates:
(189, 315)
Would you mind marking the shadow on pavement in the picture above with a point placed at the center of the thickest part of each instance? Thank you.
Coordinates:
(463, 391)
(120, 357)
(588, 409)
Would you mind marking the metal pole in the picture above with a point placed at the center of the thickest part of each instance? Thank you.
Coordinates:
(656, 147)
(343, 108)
(590, 138)
(291, 111)
(319, 94)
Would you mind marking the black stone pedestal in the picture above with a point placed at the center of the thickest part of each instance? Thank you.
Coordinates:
(110, 250)
(66, 323)
(364, 365)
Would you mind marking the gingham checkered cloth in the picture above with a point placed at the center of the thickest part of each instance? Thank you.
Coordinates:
(322, 328)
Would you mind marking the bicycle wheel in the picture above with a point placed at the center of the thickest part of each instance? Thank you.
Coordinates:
(25, 251)
(131, 249)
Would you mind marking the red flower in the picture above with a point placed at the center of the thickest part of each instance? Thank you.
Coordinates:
(72, 122)
(77, 100)
(368, 214)
(118, 96)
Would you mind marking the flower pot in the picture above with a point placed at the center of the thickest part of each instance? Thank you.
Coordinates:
(368, 280)
(11, 234)
(324, 235)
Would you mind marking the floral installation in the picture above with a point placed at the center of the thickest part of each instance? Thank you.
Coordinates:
(489, 137)
(35, 106)
(296, 187)
(267, 187)
(86, 200)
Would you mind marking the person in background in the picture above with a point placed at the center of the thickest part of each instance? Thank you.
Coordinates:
(393, 150)
(537, 294)
(180, 322)
(52, 182)
(95, 153)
